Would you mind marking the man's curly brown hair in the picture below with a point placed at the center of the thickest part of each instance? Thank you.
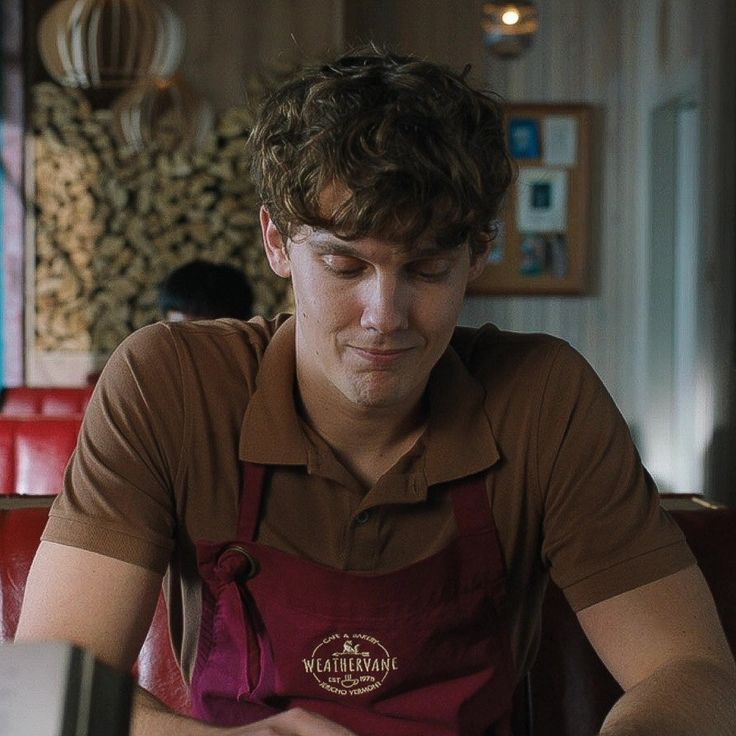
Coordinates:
(411, 149)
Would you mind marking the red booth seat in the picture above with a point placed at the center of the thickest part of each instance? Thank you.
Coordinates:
(45, 401)
(34, 452)
(570, 691)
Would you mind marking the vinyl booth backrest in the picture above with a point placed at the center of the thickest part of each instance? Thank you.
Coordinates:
(34, 452)
(44, 400)
(569, 690)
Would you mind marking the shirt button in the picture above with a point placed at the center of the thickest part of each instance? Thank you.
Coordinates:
(362, 517)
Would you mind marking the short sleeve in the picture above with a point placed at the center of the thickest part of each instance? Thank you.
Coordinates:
(604, 529)
(118, 495)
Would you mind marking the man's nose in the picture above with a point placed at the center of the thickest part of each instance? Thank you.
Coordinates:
(386, 305)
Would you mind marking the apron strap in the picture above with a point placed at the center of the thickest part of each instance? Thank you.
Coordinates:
(251, 491)
(470, 504)
(474, 517)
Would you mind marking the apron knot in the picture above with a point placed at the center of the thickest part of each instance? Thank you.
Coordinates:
(235, 563)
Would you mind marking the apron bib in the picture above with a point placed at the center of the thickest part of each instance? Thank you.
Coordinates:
(420, 651)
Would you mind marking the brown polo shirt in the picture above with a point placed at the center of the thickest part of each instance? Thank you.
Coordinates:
(178, 406)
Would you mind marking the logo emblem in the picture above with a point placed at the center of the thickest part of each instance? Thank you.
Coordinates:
(350, 664)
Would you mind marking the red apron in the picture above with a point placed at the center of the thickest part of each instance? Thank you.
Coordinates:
(421, 651)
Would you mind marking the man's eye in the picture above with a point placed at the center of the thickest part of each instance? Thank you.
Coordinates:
(433, 269)
(343, 265)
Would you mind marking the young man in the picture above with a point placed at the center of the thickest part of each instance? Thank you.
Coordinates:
(358, 506)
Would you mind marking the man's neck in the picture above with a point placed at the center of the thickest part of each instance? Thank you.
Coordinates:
(367, 440)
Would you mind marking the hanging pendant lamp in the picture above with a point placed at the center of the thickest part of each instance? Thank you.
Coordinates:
(509, 27)
(102, 44)
(165, 113)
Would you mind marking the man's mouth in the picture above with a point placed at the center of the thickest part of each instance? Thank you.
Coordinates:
(380, 356)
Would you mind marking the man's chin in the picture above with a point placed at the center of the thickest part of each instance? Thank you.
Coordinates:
(372, 402)
(380, 393)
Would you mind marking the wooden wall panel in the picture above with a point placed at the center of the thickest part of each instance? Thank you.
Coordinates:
(448, 32)
(228, 40)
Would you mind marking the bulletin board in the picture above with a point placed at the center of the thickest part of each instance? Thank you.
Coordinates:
(543, 243)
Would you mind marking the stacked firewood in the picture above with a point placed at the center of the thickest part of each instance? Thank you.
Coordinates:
(111, 223)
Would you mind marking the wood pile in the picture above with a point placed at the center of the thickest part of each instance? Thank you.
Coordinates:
(111, 223)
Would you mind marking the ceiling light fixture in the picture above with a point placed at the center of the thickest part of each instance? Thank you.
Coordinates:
(509, 28)
(103, 44)
(163, 113)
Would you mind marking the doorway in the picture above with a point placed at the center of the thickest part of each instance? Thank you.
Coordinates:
(674, 454)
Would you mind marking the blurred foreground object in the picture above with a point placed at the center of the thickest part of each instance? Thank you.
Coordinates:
(57, 689)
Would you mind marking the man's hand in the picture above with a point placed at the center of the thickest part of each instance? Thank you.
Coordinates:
(294, 722)
(152, 718)
(664, 644)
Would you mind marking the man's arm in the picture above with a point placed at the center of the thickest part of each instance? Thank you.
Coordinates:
(106, 606)
(97, 602)
(664, 644)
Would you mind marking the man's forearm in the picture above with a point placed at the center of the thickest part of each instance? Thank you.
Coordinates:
(685, 698)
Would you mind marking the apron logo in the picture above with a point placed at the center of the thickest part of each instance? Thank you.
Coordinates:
(350, 664)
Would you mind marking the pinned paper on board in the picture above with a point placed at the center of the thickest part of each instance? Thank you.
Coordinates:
(524, 138)
(560, 140)
(541, 200)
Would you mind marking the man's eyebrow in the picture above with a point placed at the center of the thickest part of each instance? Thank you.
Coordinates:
(333, 247)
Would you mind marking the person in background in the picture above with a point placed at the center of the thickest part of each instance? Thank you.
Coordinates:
(205, 290)
(201, 290)
(357, 508)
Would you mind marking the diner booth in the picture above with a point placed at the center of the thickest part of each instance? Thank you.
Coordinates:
(97, 209)
(567, 693)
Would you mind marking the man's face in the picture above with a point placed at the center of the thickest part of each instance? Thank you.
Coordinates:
(372, 318)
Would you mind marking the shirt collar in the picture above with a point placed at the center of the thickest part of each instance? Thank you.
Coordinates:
(459, 439)
(271, 433)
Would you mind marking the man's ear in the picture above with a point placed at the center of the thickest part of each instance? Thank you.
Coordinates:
(275, 247)
(479, 255)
